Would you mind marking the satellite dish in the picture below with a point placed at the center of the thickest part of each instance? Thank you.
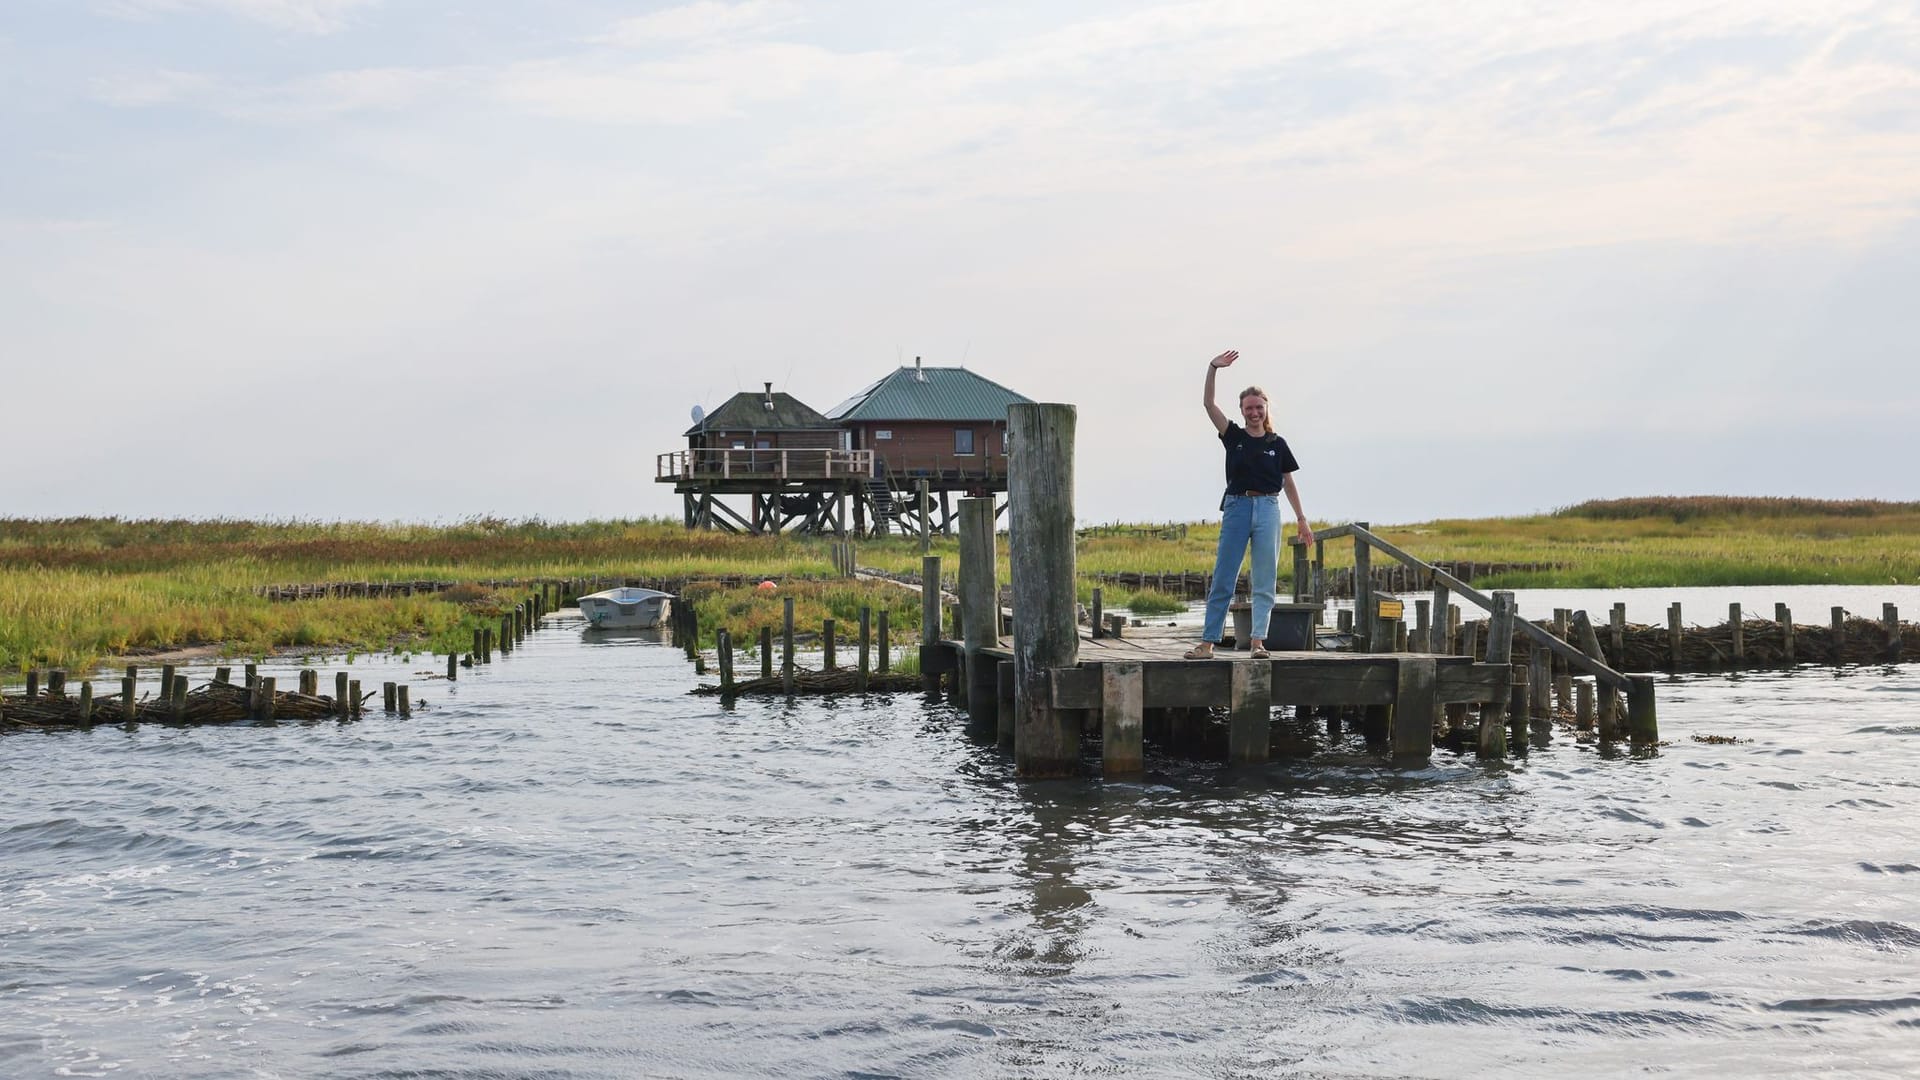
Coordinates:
(699, 414)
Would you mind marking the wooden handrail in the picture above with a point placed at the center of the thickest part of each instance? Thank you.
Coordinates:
(1572, 655)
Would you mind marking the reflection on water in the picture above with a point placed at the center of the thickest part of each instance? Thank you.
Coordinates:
(563, 865)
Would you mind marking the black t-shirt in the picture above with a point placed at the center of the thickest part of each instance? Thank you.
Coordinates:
(1255, 464)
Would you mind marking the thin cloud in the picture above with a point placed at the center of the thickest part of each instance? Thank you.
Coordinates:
(705, 19)
(306, 16)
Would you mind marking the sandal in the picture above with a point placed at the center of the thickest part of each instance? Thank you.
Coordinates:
(1202, 651)
(1260, 652)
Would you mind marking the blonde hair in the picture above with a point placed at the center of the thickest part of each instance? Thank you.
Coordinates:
(1252, 391)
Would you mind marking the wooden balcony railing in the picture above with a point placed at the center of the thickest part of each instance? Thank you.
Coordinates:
(763, 464)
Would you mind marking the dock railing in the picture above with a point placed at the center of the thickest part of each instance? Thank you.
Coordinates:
(766, 463)
(1642, 722)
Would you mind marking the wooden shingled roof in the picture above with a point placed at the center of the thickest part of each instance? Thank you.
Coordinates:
(750, 411)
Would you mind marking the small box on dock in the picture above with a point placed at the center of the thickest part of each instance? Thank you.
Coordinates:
(1289, 628)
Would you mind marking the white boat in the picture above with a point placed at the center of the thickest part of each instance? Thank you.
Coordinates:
(624, 609)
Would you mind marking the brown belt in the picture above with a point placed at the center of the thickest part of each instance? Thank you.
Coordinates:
(1257, 494)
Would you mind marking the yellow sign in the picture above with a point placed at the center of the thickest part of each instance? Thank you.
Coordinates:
(1391, 609)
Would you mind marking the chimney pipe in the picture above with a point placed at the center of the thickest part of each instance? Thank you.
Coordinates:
(769, 399)
(918, 375)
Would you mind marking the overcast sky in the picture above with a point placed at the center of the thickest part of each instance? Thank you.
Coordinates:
(426, 260)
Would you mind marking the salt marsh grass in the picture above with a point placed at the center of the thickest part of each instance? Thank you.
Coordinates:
(74, 592)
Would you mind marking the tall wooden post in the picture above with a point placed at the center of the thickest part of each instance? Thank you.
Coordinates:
(1438, 633)
(1642, 724)
(1046, 740)
(1617, 633)
(786, 647)
(1363, 609)
(1413, 707)
(1250, 703)
(925, 513)
(1492, 742)
(1609, 712)
(1739, 629)
(1890, 622)
(929, 616)
(1122, 715)
(1783, 616)
(866, 648)
(1302, 572)
(979, 609)
(1676, 658)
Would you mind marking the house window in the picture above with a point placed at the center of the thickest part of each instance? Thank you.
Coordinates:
(883, 433)
(963, 442)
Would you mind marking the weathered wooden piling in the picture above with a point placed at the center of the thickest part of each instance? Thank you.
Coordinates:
(926, 511)
(1608, 713)
(1413, 707)
(1302, 571)
(929, 613)
(723, 649)
(1839, 635)
(406, 708)
(1492, 740)
(1677, 663)
(884, 644)
(866, 649)
(980, 610)
(353, 697)
(786, 646)
(1643, 726)
(1045, 635)
(1890, 622)
(129, 707)
(1364, 613)
(827, 659)
(86, 703)
(1617, 631)
(1783, 617)
(1540, 685)
(33, 684)
(57, 683)
(453, 666)
(264, 699)
(1738, 648)
(1583, 706)
(766, 652)
(341, 706)
(1097, 613)
(1122, 713)
(178, 700)
(390, 696)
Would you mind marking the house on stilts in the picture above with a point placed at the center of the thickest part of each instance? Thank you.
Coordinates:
(941, 431)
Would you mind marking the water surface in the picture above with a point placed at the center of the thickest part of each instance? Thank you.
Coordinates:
(565, 866)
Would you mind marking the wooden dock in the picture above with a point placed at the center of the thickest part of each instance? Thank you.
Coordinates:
(1039, 693)
(1127, 680)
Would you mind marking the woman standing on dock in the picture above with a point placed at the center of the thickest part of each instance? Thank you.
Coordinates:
(1259, 468)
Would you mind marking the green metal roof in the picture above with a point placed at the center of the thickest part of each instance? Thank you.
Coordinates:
(747, 411)
(929, 393)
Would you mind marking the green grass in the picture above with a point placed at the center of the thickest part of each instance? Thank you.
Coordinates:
(1152, 602)
(75, 592)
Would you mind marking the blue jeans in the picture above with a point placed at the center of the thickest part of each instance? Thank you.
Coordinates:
(1246, 519)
